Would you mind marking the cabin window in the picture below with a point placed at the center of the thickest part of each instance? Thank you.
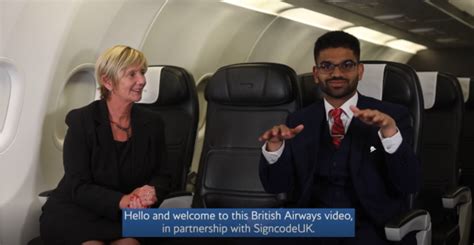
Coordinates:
(5, 91)
(11, 98)
(79, 90)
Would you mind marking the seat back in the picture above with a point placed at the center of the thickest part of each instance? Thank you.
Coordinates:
(467, 136)
(387, 81)
(442, 130)
(441, 135)
(400, 86)
(244, 100)
(178, 106)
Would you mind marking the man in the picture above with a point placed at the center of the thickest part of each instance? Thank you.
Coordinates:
(348, 151)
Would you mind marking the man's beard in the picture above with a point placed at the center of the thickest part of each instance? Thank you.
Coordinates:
(349, 90)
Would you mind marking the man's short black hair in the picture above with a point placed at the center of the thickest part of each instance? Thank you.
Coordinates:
(337, 39)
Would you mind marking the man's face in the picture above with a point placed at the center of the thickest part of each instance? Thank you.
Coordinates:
(337, 72)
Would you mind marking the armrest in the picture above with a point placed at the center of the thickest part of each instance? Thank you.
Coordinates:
(282, 198)
(178, 200)
(178, 194)
(414, 220)
(43, 196)
(46, 193)
(460, 199)
(456, 197)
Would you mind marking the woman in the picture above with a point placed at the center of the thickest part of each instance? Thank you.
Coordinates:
(114, 158)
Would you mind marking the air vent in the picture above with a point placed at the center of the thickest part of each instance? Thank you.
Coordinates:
(446, 40)
(422, 30)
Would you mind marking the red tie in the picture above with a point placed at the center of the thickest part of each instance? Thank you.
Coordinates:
(337, 130)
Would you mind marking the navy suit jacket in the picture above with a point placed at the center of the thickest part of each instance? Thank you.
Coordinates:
(382, 181)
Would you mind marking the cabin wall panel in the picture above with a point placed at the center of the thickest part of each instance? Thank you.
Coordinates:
(47, 40)
(34, 52)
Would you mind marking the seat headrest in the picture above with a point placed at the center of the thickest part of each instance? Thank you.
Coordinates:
(152, 88)
(310, 91)
(428, 81)
(263, 84)
(439, 89)
(470, 101)
(465, 83)
(372, 82)
(173, 85)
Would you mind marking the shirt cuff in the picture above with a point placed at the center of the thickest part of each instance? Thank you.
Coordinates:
(391, 144)
(272, 156)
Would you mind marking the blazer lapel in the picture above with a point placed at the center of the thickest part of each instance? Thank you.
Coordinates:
(360, 132)
(141, 135)
(315, 118)
(105, 139)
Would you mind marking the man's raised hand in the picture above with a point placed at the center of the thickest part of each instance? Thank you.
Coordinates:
(387, 125)
(276, 135)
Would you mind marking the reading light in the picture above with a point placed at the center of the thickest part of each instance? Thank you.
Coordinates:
(406, 46)
(273, 7)
(315, 19)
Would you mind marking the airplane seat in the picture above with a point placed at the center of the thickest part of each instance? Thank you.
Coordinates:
(402, 86)
(396, 83)
(178, 107)
(467, 138)
(451, 215)
(244, 100)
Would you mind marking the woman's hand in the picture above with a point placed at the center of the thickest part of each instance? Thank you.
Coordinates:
(146, 195)
(135, 202)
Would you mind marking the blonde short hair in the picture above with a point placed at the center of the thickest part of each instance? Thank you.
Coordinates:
(114, 61)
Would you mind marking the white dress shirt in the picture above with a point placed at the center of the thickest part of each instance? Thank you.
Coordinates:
(390, 144)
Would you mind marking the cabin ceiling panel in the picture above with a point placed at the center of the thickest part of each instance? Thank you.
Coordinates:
(418, 21)
(288, 42)
(131, 23)
(370, 51)
(205, 35)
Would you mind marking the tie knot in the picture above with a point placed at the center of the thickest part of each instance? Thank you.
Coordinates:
(336, 113)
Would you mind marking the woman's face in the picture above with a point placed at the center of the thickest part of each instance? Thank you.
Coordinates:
(130, 85)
